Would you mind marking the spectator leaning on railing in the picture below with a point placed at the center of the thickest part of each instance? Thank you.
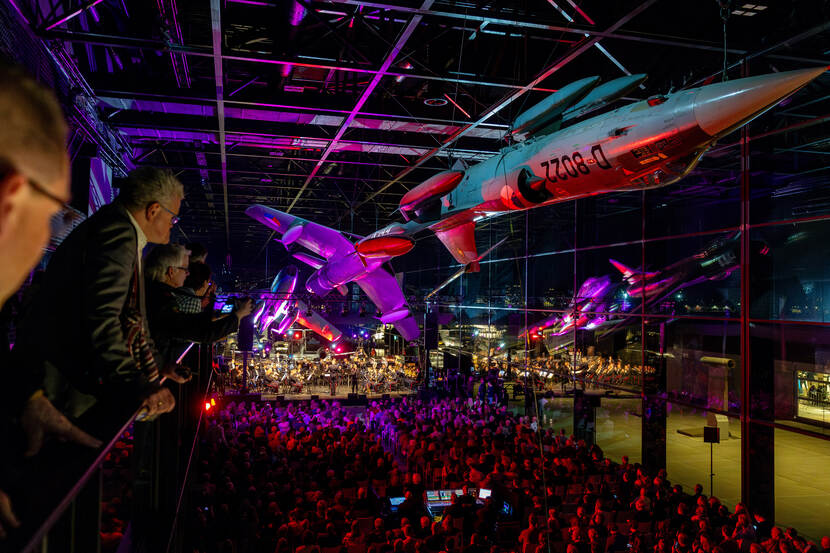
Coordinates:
(167, 268)
(34, 185)
(91, 307)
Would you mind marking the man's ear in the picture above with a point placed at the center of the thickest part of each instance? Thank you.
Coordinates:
(11, 186)
(151, 210)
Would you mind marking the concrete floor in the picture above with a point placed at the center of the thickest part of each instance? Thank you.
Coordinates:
(802, 478)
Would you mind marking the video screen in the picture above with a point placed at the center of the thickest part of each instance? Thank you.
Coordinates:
(445, 495)
(395, 501)
(432, 495)
(484, 493)
(472, 491)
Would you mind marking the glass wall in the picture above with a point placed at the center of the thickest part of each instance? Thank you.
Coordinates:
(706, 300)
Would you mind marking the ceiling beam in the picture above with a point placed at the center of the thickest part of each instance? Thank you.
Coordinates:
(367, 92)
(216, 32)
(67, 15)
(492, 18)
(373, 163)
(130, 95)
(550, 70)
(112, 41)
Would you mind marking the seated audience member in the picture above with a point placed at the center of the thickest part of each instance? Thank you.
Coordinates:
(34, 186)
(166, 272)
(99, 352)
(191, 295)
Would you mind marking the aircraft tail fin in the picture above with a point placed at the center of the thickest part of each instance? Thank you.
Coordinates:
(626, 271)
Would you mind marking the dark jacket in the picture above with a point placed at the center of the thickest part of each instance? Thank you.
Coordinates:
(169, 327)
(73, 332)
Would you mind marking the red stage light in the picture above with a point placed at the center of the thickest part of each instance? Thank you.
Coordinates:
(207, 406)
(298, 335)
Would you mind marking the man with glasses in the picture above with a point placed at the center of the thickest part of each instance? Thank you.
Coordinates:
(172, 329)
(34, 186)
(98, 360)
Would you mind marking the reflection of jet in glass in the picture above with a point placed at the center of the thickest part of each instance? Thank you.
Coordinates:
(716, 262)
(587, 312)
(280, 309)
(596, 305)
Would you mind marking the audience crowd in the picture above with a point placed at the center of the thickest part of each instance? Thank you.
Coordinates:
(316, 476)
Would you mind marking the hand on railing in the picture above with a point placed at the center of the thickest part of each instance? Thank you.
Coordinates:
(159, 402)
(6, 515)
(40, 417)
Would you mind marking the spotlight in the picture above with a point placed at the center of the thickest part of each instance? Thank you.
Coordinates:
(207, 406)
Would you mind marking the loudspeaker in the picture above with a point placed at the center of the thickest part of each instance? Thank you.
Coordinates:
(431, 329)
(711, 434)
(245, 335)
(384, 396)
(314, 397)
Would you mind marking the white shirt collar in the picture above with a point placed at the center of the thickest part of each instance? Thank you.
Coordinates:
(142, 238)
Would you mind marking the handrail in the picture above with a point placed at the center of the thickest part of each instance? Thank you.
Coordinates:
(58, 511)
(189, 463)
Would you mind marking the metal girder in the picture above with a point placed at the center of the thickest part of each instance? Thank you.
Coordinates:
(550, 70)
(256, 57)
(124, 94)
(299, 140)
(67, 15)
(493, 19)
(375, 163)
(367, 92)
(265, 173)
(216, 32)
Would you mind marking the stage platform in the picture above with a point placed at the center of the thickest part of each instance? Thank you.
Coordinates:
(345, 397)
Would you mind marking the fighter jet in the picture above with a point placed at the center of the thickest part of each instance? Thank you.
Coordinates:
(338, 261)
(280, 309)
(560, 154)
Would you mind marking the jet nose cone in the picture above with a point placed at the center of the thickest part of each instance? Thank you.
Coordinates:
(722, 107)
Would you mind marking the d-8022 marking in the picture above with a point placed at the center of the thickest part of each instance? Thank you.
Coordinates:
(574, 165)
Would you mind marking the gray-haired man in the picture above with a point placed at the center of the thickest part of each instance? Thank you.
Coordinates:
(86, 332)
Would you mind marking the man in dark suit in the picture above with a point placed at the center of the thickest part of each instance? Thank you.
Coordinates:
(86, 332)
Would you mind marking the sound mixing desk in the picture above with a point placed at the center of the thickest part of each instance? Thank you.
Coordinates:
(438, 500)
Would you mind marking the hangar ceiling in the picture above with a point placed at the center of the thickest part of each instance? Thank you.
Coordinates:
(333, 110)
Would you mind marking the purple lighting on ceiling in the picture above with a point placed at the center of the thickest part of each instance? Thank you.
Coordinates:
(71, 15)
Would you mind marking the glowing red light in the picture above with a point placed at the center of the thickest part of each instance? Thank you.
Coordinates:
(207, 406)
(297, 335)
(339, 349)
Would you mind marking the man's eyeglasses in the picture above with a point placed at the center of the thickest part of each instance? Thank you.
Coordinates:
(51, 195)
(5, 169)
(185, 269)
(175, 219)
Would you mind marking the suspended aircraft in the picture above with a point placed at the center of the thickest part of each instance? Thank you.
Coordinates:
(560, 153)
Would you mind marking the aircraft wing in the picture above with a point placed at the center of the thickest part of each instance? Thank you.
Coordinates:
(460, 241)
(384, 291)
(319, 239)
